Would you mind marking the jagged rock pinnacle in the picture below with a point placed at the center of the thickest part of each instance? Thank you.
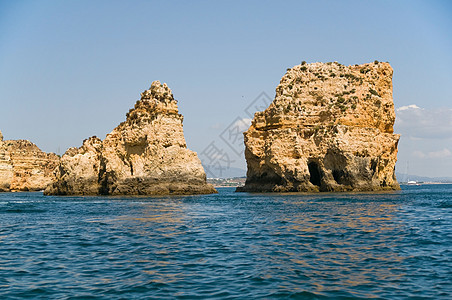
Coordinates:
(145, 155)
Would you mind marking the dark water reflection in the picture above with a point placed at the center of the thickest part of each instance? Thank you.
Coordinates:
(391, 245)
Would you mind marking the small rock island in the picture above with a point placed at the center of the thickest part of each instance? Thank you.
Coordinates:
(145, 155)
(24, 167)
(329, 128)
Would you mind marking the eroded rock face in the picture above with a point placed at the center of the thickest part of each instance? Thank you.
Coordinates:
(145, 155)
(24, 167)
(329, 128)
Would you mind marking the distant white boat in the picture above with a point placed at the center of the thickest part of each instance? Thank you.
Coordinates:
(412, 182)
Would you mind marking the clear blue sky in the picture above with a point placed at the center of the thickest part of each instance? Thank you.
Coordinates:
(72, 69)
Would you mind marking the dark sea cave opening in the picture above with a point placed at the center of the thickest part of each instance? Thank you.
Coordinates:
(314, 173)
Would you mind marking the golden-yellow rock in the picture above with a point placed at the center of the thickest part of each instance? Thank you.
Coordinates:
(329, 128)
(24, 167)
(145, 155)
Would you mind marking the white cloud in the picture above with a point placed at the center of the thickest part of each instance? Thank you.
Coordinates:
(432, 154)
(242, 124)
(412, 106)
(440, 154)
(217, 126)
(415, 122)
(418, 154)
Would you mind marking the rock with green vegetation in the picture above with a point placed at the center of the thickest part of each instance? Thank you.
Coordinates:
(324, 132)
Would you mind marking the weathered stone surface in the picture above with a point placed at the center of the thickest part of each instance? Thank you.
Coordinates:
(145, 155)
(329, 128)
(24, 167)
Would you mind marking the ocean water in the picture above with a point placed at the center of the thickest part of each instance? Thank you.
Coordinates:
(394, 245)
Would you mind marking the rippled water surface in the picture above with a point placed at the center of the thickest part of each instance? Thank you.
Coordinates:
(230, 245)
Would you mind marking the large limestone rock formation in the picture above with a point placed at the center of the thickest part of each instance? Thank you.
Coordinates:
(24, 167)
(329, 128)
(145, 155)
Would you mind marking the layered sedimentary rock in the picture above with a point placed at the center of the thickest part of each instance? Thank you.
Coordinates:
(145, 155)
(329, 128)
(24, 167)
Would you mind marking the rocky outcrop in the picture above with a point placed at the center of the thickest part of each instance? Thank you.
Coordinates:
(24, 167)
(145, 155)
(329, 128)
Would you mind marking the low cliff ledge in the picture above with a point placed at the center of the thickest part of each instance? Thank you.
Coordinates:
(24, 167)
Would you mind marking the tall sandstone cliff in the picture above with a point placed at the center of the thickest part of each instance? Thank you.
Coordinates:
(329, 128)
(145, 155)
(24, 167)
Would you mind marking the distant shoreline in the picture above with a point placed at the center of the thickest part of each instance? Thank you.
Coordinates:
(425, 183)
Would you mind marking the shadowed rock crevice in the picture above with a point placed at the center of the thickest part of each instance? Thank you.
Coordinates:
(340, 176)
(314, 173)
(329, 128)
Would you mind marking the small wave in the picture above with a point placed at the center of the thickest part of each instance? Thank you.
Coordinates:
(295, 295)
(445, 204)
(23, 211)
(223, 246)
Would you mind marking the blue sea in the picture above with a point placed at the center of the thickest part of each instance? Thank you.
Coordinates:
(394, 245)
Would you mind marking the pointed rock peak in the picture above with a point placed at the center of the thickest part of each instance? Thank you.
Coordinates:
(1, 136)
(92, 142)
(158, 91)
(158, 99)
